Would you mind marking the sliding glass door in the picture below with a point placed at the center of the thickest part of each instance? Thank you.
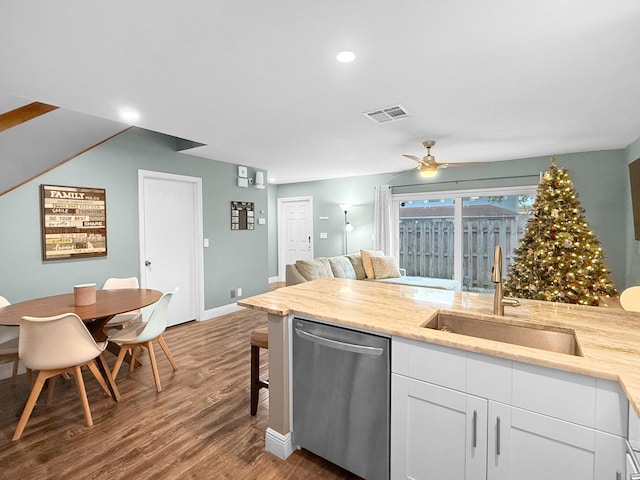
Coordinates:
(427, 233)
(453, 235)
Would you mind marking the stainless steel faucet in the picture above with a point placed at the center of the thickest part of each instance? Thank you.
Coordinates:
(496, 277)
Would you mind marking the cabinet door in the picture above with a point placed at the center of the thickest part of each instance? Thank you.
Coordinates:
(531, 446)
(436, 432)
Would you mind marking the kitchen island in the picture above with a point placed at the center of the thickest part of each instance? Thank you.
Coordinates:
(608, 339)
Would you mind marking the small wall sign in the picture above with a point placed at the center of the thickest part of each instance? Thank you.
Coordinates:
(74, 222)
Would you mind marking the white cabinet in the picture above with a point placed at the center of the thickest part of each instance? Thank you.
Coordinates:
(633, 447)
(436, 432)
(530, 446)
(459, 415)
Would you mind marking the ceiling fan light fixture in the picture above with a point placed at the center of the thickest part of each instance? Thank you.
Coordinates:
(428, 171)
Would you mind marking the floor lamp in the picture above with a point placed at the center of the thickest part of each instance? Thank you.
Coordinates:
(347, 226)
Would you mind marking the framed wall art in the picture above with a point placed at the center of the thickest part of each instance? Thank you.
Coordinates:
(73, 222)
(242, 216)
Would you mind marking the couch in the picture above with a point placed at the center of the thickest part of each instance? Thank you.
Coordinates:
(368, 265)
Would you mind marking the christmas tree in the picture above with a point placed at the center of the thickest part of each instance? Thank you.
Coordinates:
(559, 259)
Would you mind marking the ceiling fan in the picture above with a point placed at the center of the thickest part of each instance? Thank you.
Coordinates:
(428, 165)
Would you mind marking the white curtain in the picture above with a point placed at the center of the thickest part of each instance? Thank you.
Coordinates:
(383, 228)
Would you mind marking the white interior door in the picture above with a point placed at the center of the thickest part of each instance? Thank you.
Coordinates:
(295, 231)
(170, 240)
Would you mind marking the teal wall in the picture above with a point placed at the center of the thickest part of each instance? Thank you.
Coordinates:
(272, 226)
(601, 179)
(248, 258)
(327, 195)
(632, 153)
(234, 259)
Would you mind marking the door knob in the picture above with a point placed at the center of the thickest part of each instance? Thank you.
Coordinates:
(147, 263)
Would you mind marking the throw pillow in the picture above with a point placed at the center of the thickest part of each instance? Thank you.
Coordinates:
(314, 269)
(342, 268)
(385, 267)
(366, 261)
(356, 261)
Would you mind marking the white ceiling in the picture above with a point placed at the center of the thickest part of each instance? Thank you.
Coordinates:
(257, 82)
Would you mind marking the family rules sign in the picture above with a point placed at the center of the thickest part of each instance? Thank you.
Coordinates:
(74, 222)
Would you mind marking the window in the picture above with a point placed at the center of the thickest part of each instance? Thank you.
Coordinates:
(453, 235)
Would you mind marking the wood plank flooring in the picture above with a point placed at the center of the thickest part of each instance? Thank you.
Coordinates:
(198, 427)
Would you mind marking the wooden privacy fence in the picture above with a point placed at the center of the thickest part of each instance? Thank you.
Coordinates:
(427, 247)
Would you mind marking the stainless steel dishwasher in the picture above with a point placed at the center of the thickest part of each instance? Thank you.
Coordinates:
(341, 396)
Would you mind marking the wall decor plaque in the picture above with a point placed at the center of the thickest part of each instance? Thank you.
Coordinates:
(74, 222)
(242, 216)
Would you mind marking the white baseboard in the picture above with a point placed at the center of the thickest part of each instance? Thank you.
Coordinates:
(279, 445)
(6, 370)
(274, 279)
(219, 311)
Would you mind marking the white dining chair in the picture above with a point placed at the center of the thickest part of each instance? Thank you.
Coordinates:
(9, 343)
(144, 334)
(54, 346)
(630, 299)
(123, 319)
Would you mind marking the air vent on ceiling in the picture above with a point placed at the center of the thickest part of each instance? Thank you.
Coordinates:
(389, 114)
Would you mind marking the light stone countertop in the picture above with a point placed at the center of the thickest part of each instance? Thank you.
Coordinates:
(609, 337)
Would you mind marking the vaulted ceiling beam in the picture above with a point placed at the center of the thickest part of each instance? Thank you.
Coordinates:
(23, 114)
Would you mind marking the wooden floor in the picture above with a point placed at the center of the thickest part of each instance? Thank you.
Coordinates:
(198, 427)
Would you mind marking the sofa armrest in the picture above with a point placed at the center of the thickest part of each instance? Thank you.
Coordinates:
(293, 276)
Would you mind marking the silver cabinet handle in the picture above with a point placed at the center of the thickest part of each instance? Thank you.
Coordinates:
(497, 435)
(475, 428)
(348, 347)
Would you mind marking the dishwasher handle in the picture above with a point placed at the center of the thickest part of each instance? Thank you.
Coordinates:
(347, 347)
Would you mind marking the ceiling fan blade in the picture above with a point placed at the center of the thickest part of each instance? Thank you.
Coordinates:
(466, 164)
(414, 158)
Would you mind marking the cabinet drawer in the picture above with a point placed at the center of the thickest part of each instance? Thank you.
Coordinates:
(634, 428)
(556, 393)
(489, 377)
(429, 362)
(612, 408)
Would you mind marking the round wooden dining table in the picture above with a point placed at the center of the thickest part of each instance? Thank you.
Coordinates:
(109, 303)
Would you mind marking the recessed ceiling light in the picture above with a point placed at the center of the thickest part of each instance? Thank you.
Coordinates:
(129, 115)
(346, 56)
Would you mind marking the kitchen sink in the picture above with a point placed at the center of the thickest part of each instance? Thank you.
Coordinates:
(543, 337)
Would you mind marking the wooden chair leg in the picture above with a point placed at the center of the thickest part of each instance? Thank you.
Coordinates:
(31, 402)
(118, 364)
(51, 386)
(166, 351)
(83, 394)
(132, 359)
(14, 374)
(154, 366)
(98, 376)
(255, 372)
